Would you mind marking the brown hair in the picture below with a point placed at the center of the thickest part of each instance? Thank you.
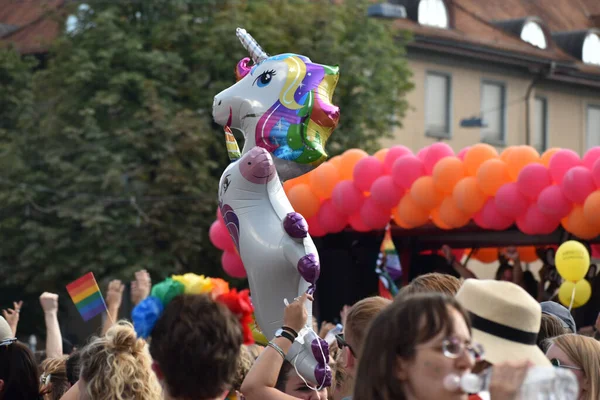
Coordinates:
(408, 323)
(358, 319)
(550, 327)
(117, 366)
(19, 372)
(433, 282)
(58, 384)
(196, 342)
(585, 352)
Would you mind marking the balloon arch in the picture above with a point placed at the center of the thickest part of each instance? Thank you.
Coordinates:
(494, 191)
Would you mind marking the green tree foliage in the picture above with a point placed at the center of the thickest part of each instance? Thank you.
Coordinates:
(118, 161)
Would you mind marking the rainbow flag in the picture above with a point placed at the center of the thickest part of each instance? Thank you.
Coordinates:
(87, 297)
(388, 266)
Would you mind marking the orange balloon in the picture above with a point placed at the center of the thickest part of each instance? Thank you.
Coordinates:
(380, 155)
(299, 180)
(486, 255)
(547, 156)
(447, 172)
(411, 214)
(506, 153)
(425, 194)
(467, 195)
(335, 161)
(349, 160)
(491, 175)
(477, 155)
(435, 217)
(323, 179)
(527, 254)
(591, 208)
(304, 200)
(579, 226)
(287, 185)
(398, 220)
(451, 215)
(519, 157)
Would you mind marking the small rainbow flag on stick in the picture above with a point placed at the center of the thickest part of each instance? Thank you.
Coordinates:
(87, 297)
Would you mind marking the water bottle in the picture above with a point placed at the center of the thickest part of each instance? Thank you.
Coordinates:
(541, 383)
(330, 337)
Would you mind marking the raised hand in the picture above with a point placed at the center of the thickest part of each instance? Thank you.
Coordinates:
(114, 295)
(49, 302)
(140, 288)
(11, 315)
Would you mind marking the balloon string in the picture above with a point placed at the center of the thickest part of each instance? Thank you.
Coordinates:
(295, 360)
(572, 299)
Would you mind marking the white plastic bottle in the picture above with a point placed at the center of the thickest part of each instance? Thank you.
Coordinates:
(330, 337)
(541, 383)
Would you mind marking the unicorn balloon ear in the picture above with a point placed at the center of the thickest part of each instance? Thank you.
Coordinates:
(256, 52)
(233, 150)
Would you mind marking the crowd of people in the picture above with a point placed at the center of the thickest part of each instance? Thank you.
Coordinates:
(406, 348)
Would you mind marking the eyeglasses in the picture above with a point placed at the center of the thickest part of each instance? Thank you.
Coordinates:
(7, 342)
(341, 342)
(556, 363)
(454, 348)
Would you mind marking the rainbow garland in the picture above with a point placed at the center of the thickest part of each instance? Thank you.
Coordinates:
(148, 311)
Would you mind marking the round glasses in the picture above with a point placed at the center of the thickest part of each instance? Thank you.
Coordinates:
(454, 348)
(556, 363)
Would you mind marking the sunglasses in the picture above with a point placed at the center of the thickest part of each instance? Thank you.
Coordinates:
(341, 342)
(556, 363)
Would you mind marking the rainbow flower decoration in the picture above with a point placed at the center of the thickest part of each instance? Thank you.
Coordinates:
(148, 311)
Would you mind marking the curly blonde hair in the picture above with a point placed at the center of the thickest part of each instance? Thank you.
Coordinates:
(54, 372)
(118, 367)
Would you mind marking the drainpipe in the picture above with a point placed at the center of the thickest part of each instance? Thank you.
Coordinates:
(528, 99)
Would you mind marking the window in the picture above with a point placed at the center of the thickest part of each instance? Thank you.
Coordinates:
(593, 126)
(539, 138)
(437, 104)
(533, 33)
(590, 53)
(493, 110)
(433, 13)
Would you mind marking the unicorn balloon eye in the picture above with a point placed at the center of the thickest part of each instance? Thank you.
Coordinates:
(265, 78)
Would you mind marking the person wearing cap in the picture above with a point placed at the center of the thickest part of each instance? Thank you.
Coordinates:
(560, 312)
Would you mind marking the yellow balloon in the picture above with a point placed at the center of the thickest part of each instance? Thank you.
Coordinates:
(572, 261)
(583, 292)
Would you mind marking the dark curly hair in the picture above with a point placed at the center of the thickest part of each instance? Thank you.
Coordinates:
(196, 343)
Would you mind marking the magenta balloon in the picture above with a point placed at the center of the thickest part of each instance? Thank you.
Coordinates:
(219, 236)
(578, 184)
(595, 250)
(347, 198)
(406, 170)
(366, 171)
(385, 192)
(461, 154)
(492, 219)
(436, 152)
(553, 203)
(561, 162)
(524, 225)
(510, 202)
(314, 227)
(596, 173)
(357, 223)
(533, 179)
(478, 219)
(330, 219)
(538, 222)
(373, 215)
(590, 157)
(392, 155)
(233, 265)
(421, 154)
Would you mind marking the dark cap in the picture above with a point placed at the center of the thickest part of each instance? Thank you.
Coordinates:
(560, 312)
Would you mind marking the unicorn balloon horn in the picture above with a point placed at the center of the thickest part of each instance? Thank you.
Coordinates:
(256, 52)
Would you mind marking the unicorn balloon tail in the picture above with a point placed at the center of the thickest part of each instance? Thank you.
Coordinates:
(256, 52)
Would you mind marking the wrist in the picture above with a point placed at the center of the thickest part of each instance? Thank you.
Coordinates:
(50, 313)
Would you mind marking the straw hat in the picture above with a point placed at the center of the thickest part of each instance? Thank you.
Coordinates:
(506, 320)
(5, 331)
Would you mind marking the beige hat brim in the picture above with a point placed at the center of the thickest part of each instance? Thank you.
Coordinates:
(498, 350)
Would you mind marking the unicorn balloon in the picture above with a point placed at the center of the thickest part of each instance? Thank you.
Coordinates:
(283, 104)
(280, 258)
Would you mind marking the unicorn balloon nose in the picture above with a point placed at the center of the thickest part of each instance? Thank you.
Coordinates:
(257, 166)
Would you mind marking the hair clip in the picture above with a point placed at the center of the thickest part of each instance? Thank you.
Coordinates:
(45, 379)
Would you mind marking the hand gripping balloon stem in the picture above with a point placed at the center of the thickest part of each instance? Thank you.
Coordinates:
(283, 104)
(279, 255)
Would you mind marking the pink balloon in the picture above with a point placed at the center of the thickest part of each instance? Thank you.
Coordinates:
(392, 155)
(373, 215)
(219, 215)
(357, 223)
(347, 198)
(219, 236)
(590, 157)
(553, 203)
(385, 192)
(510, 202)
(561, 162)
(595, 250)
(233, 265)
(330, 219)
(524, 225)
(578, 184)
(533, 179)
(366, 172)
(436, 152)
(596, 173)
(406, 170)
(492, 219)
(478, 219)
(462, 153)
(422, 153)
(536, 222)
(314, 228)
